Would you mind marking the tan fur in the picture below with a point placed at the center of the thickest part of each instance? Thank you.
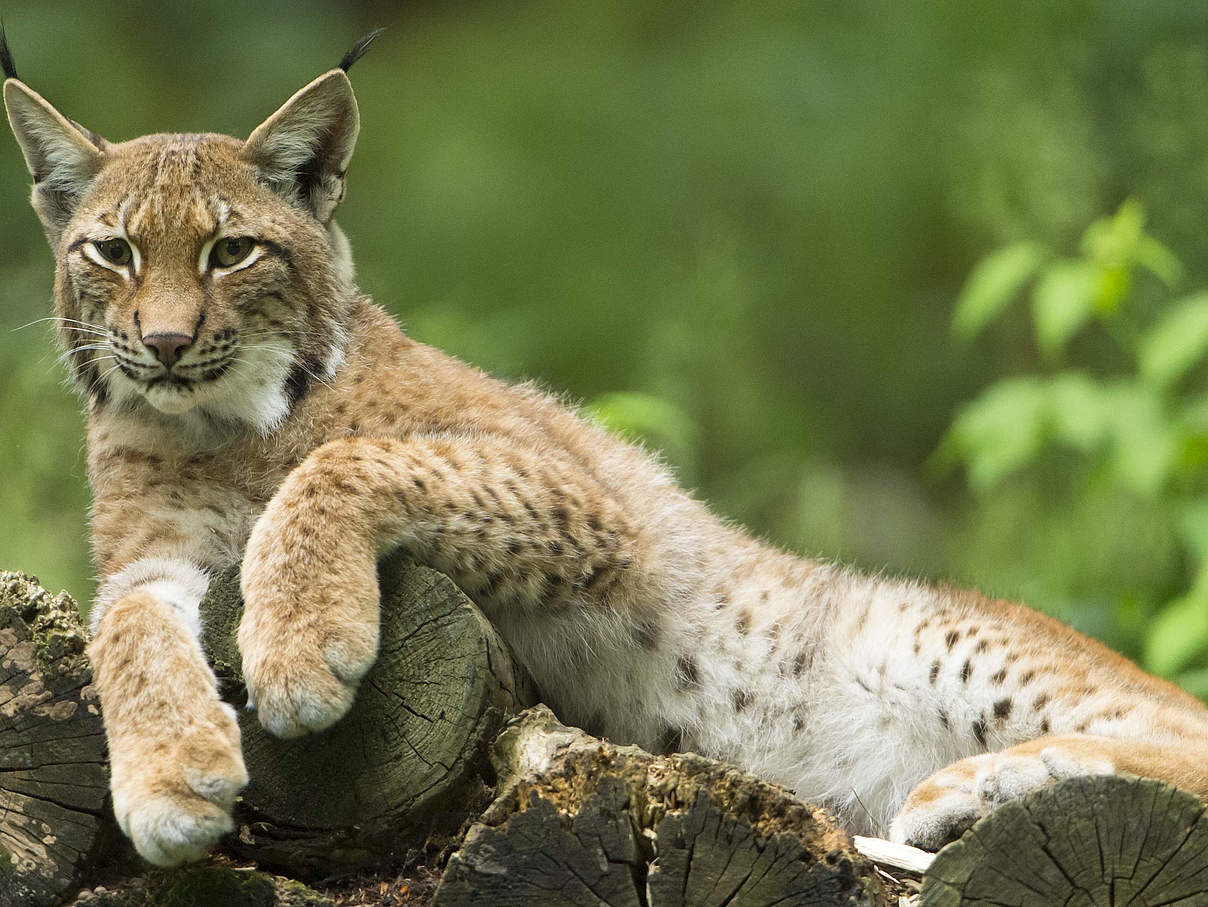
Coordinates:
(305, 435)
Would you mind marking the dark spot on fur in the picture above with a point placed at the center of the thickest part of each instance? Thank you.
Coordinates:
(943, 716)
(1040, 702)
(1002, 709)
(743, 623)
(982, 646)
(979, 732)
(934, 672)
(998, 676)
(1044, 726)
(801, 662)
(687, 671)
(966, 670)
(741, 699)
(646, 633)
(1026, 677)
(952, 638)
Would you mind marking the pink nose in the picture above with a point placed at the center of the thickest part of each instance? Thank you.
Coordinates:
(167, 347)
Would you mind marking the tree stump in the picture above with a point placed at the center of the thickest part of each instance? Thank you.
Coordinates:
(580, 821)
(409, 755)
(1098, 840)
(54, 777)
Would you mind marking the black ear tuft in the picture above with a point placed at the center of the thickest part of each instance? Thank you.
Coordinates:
(358, 49)
(6, 56)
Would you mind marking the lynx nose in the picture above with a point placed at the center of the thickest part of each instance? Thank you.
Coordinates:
(167, 347)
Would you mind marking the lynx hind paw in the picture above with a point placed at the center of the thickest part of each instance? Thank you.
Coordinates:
(944, 806)
(941, 808)
(174, 802)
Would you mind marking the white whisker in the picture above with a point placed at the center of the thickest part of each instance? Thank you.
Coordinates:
(82, 326)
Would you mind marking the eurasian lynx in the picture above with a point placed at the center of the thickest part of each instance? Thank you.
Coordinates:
(247, 404)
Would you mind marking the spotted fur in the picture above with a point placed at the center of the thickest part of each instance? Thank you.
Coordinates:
(261, 410)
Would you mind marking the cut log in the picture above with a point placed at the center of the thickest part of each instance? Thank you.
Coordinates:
(581, 821)
(54, 778)
(1095, 840)
(410, 754)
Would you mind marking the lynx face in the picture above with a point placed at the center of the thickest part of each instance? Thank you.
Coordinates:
(198, 274)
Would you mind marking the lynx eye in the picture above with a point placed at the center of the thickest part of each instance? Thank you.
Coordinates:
(116, 251)
(230, 250)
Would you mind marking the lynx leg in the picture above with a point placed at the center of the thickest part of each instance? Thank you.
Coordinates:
(943, 806)
(310, 622)
(173, 744)
(311, 614)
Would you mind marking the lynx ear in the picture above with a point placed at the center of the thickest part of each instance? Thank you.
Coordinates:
(302, 151)
(62, 156)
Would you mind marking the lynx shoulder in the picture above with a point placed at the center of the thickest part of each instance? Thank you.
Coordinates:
(247, 404)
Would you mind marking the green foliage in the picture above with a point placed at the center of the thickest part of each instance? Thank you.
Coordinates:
(1140, 426)
(758, 214)
(647, 418)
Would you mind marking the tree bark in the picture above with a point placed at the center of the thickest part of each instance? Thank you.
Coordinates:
(581, 821)
(1095, 840)
(54, 777)
(409, 756)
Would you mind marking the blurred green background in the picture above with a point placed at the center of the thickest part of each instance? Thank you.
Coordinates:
(737, 229)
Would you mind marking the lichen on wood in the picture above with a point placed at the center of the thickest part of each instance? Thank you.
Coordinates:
(579, 820)
(53, 774)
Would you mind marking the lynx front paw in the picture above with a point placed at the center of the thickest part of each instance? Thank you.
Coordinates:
(941, 808)
(306, 649)
(173, 797)
(306, 684)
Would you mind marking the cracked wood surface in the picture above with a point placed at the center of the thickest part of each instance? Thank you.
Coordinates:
(53, 775)
(409, 754)
(581, 821)
(1103, 840)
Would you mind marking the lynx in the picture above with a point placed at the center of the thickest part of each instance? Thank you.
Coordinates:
(246, 404)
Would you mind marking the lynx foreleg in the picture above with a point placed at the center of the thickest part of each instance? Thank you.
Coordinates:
(511, 525)
(173, 744)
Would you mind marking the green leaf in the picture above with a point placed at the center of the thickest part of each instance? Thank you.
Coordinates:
(1081, 410)
(1178, 341)
(1063, 300)
(1177, 634)
(644, 416)
(992, 285)
(1114, 240)
(1159, 260)
(999, 432)
(1145, 439)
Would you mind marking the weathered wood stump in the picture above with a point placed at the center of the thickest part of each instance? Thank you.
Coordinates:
(580, 821)
(53, 772)
(1095, 841)
(410, 754)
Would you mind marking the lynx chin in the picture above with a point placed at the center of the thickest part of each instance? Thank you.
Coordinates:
(248, 404)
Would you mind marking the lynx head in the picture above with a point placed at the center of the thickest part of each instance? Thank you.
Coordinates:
(199, 274)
